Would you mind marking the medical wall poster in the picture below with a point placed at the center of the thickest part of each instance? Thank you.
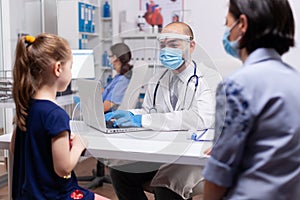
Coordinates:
(162, 12)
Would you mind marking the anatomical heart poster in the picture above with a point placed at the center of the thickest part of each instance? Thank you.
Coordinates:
(162, 12)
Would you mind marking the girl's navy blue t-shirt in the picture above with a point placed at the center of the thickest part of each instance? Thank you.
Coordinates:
(33, 171)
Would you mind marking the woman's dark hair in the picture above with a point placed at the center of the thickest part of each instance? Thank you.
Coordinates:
(123, 53)
(270, 24)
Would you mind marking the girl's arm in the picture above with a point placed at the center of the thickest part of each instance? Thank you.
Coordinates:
(66, 156)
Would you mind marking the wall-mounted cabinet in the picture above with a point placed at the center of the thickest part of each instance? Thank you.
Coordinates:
(83, 24)
(103, 70)
(143, 45)
(78, 22)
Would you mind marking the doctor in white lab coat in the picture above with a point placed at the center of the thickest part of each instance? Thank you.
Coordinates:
(193, 109)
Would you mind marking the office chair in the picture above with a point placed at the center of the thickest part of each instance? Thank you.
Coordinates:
(98, 176)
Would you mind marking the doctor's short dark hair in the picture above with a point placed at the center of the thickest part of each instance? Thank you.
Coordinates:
(270, 24)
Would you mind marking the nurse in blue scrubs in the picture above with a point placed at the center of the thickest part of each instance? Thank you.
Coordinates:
(119, 57)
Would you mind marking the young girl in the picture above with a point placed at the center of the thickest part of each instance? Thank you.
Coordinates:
(45, 152)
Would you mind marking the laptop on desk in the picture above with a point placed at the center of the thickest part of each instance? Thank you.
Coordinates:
(92, 109)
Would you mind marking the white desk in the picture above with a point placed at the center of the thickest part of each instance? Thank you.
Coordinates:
(61, 100)
(5, 141)
(150, 146)
(9, 104)
(4, 144)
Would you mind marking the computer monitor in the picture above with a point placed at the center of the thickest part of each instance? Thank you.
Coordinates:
(83, 64)
(83, 67)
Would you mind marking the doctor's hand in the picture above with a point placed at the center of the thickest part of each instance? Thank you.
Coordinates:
(124, 118)
(116, 114)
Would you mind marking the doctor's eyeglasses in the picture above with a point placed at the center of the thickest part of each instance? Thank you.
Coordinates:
(172, 40)
(172, 43)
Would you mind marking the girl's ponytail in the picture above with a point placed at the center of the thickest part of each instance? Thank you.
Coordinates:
(22, 84)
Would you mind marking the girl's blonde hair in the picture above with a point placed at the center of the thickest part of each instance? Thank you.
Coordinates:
(34, 59)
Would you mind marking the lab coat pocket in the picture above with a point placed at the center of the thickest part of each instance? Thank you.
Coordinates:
(185, 180)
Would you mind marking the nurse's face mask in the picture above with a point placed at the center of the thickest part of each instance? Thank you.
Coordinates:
(174, 50)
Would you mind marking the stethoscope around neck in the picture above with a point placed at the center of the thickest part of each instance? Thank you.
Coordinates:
(153, 109)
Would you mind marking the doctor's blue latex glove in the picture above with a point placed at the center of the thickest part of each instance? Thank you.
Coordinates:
(116, 114)
(124, 118)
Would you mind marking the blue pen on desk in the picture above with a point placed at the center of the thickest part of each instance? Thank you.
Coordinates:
(197, 138)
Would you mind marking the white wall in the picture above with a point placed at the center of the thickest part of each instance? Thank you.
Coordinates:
(293, 57)
(7, 114)
(25, 17)
(207, 21)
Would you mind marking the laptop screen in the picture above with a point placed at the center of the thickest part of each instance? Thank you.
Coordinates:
(91, 104)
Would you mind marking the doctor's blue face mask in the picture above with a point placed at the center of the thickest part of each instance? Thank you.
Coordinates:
(231, 47)
(171, 57)
(173, 49)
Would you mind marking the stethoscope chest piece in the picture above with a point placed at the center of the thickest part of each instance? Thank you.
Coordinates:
(152, 110)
